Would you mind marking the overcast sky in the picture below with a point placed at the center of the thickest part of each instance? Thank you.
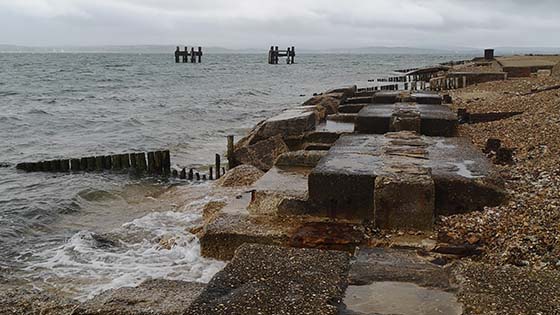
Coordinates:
(303, 23)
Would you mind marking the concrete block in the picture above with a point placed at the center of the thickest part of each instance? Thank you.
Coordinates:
(290, 123)
(387, 97)
(228, 231)
(438, 120)
(351, 108)
(375, 119)
(404, 119)
(359, 100)
(341, 186)
(404, 201)
(427, 98)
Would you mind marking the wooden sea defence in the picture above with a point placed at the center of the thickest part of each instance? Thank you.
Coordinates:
(274, 55)
(183, 56)
(150, 163)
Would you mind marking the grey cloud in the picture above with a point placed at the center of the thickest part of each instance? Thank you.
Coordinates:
(257, 23)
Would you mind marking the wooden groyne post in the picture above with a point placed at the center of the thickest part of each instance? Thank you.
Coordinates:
(157, 163)
(274, 55)
(184, 55)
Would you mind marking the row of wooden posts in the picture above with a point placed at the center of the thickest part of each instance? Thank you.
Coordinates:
(448, 83)
(194, 55)
(215, 171)
(406, 70)
(407, 78)
(274, 55)
(154, 163)
(151, 163)
(413, 86)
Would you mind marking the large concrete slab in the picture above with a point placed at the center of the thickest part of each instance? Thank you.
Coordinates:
(289, 123)
(273, 280)
(401, 179)
(385, 264)
(281, 191)
(427, 119)
(464, 178)
(232, 224)
(395, 281)
(427, 98)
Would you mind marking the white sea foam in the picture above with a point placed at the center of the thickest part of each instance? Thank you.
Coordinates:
(463, 169)
(129, 256)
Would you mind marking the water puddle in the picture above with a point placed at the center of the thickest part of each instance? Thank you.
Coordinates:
(336, 126)
(399, 298)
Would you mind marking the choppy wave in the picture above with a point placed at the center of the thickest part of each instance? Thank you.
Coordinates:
(154, 246)
(8, 93)
(37, 112)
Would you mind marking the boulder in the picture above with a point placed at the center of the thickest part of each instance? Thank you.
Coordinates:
(300, 158)
(262, 154)
(242, 175)
(346, 91)
(328, 102)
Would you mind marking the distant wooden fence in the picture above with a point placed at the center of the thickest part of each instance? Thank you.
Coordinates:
(194, 55)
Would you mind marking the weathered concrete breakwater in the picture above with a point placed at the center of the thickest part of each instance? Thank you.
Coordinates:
(322, 179)
(326, 176)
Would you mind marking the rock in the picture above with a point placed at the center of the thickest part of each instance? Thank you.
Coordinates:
(262, 154)
(320, 111)
(544, 73)
(167, 242)
(328, 235)
(345, 91)
(242, 175)
(300, 158)
(273, 280)
(556, 71)
(327, 102)
(159, 296)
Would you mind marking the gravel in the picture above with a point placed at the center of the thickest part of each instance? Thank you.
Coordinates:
(525, 231)
(274, 280)
(519, 269)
